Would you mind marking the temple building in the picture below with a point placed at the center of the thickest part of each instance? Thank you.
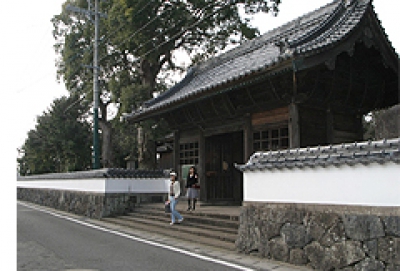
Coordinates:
(306, 83)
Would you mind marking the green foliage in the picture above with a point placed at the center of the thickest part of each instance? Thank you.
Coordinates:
(138, 42)
(60, 142)
(125, 143)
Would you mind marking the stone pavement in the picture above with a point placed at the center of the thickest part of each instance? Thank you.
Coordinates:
(249, 261)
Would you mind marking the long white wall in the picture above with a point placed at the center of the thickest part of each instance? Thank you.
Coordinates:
(140, 186)
(372, 185)
(101, 185)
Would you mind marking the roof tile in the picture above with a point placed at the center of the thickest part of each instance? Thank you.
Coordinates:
(309, 33)
(364, 153)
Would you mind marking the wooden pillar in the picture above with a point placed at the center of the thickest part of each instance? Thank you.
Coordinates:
(329, 126)
(176, 151)
(294, 128)
(248, 138)
(202, 166)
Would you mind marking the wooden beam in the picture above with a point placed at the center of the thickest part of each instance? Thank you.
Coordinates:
(214, 107)
(198, 111)
(270, 116)
(228, 104)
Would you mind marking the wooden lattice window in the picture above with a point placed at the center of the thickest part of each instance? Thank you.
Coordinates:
(271, 139)
(189, 153)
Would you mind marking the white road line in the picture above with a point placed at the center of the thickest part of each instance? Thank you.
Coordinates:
(192, 254)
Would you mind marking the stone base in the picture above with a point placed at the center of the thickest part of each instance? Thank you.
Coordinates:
(94, 205)
(322, 237)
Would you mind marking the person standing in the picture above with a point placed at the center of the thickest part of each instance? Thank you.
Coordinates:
(192, 182)
(174, 193)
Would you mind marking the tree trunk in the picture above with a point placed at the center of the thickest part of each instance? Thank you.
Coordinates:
(106, 144)
(106, 138)
(146, 146)
(146, 142)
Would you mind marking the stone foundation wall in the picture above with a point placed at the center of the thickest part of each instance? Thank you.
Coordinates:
(322, 237)
(94, 205)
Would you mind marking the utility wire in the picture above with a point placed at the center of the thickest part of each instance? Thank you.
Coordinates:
(173, 37)
(167, 41)
(105, 38)
(160, 34)
(183, 31)
(139, 30)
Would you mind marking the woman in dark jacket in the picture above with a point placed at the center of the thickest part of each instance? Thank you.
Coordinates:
(192, 182)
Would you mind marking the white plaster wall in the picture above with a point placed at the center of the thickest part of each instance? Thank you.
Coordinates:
(141, 186)
(372, 185)
(101, 185)
(83, 185)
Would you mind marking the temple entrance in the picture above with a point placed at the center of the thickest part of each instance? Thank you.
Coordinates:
(224, 183)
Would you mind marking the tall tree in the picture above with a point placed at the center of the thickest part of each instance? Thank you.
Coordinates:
(60, 142)
(139, 39)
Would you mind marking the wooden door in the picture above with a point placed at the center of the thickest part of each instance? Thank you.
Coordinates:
(223, 181)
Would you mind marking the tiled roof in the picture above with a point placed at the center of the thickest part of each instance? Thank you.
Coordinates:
(101, 173)
(307, 35)
(364, 153)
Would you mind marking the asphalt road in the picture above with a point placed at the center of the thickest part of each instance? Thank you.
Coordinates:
(47, 242)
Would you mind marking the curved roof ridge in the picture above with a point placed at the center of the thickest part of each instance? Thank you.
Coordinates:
(268, 37)
(329, 22)
(350, 13)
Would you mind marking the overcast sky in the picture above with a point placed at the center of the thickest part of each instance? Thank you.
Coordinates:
(28, 73)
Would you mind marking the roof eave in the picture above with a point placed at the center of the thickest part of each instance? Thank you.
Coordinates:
(238, 82)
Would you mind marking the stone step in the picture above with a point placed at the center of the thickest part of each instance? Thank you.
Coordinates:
(184, 227)
(189, 220)
(199, 218)
(198, 212)
(179, 231)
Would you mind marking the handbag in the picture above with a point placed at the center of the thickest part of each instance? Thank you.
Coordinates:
(167, 207)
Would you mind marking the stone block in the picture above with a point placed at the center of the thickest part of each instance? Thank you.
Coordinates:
(278, 249)
(319, 223)
(392, 225)
(295, 235)
(363, 227)
(263, 249)
(271, 229)
(369, 264)
(333, 235)
(340, 255)
(297, 256)
(325, 220)
(389, 250)
(346, 253)
(392, 267)
(371, 248)
(282, 215)
(319, 256)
